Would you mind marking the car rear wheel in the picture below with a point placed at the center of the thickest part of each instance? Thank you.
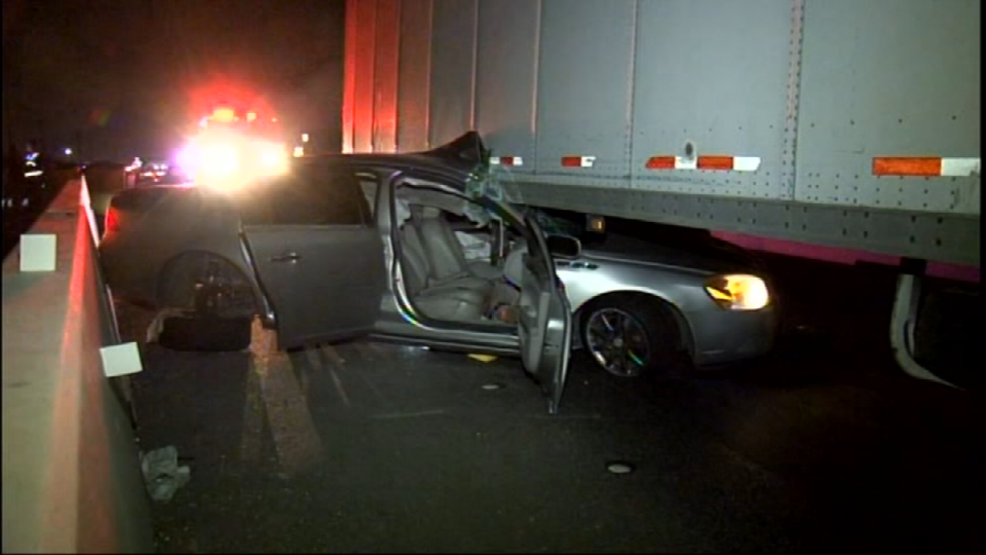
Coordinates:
(630, 337)
(205, 332)
(221, 319)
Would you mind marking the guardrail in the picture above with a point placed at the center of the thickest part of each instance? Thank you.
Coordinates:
(71, 474)
(25, 198)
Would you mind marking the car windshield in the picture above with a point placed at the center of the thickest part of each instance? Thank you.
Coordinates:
(572, 224)
(478, 207)
(619, 231)
(556, 224)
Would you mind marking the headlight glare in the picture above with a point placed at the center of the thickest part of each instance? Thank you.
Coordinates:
(273, 159)
(220, 160)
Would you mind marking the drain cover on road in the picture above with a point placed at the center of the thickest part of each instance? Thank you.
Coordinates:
(620, 467)
(492, 386)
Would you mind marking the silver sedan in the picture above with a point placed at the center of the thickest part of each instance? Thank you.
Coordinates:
(348, 246)
(644, 293)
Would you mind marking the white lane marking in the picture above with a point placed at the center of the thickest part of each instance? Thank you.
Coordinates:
(368, 350)
(333, 355)
(567, 416)
(253, 417)
(313, 360)
(334, 359)
(296, 439)
(372, 351)
(396, 415)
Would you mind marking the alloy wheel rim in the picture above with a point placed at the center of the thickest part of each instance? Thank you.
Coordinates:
(617, 342)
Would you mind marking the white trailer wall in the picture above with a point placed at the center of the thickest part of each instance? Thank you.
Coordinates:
(813, 89)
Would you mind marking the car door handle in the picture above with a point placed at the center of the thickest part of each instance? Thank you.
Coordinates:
(286, 257)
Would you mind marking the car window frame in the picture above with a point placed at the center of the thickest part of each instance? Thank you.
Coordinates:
(268, 199)
(503, 210)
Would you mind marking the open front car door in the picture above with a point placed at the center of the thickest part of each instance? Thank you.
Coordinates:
(545, 319)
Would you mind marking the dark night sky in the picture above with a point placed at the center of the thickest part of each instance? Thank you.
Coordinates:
(122, 76)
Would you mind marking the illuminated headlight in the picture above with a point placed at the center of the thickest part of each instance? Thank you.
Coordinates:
(738, 292)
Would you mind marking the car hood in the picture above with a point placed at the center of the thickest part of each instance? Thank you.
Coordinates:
(702, 254)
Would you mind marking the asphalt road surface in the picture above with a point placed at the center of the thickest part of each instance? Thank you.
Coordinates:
(365, 447)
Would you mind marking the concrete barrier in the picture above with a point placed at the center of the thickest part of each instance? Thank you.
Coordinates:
(71, 475)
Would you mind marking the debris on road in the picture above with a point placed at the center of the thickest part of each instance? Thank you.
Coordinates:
(156, 326)
(620, 467)
(162, 475)
(482, 358)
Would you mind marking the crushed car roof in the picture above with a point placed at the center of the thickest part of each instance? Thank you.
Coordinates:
(457, 158)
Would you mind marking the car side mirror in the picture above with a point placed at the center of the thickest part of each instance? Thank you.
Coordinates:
(563, 246)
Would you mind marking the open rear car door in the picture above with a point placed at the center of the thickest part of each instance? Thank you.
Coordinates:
(545, 319)
(317, 255)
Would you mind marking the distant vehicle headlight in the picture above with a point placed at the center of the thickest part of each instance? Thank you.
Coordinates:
(273, 159)
(230, 162)
(738, 292)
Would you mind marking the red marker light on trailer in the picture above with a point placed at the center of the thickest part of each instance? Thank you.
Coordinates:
(661, 163)
(717, 163)
(926, 166)
(578, 161)
(506, 161)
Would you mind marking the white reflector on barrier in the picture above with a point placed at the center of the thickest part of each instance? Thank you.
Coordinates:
(38, 252)
(120, 360)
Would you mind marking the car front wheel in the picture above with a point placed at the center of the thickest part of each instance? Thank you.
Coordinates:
(630, 337)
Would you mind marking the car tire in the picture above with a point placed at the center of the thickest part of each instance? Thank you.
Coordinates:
(657, 327)
(206, 333)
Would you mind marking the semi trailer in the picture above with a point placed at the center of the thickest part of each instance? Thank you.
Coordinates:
(845, 130)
